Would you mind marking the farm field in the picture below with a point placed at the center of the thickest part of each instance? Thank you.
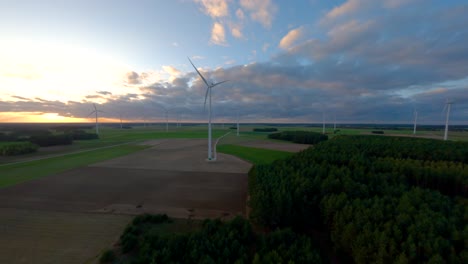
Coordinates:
(97, 186)
(55, 204)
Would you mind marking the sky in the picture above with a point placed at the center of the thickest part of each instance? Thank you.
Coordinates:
(353, 61)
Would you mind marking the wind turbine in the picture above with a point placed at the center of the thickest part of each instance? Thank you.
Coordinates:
(237, 122)
(96, 114)
(334, 125)
(323, 123)
(208, 93)
(415, 113)
(448, 104)
(166, 111)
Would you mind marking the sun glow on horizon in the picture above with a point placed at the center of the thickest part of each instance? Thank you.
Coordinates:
(38, 117)
(57, 71)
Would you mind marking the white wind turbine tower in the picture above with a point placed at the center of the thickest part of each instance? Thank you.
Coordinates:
(415, 113)
(323, 122)
(208, 93)
(237, 122)
(447, 107)
(96, 114)
(334, 124)
(166, 114)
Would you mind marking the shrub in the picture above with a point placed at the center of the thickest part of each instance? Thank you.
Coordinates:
(380, 132)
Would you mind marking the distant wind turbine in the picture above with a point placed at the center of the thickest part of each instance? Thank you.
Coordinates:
(208, 93)
(447, 107)
(166, 115)
(166, 111)
(415, 113)
(323, 122)
(96, 114)
(334, 124)
(237, 122)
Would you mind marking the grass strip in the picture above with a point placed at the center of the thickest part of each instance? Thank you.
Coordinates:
(255, 155)
(17, 173)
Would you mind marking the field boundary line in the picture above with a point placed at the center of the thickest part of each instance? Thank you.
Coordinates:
(64, 154)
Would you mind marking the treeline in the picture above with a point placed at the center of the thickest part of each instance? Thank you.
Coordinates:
(301, 137)
(266, 129)
(21, 141)
(17, 148)
(382, 199)
(51, 140)
(214, 242)
(82, 135)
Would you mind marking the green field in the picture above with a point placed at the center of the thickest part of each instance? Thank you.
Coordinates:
(58, 159)
(19, 172)
(255, 155)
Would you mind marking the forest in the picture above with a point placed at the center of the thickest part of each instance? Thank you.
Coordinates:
(381, 199)
(353, 199)
(23, 140)
(266, 129)
(301, 137)
(213, 241)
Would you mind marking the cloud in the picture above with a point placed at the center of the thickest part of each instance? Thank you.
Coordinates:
(397, 3)
(358, 68)
(236, 32)
(240, 14)
(230, 62)
(348, 7)
(214, 8)
(171, 70)
(20, 98)
(133, 78)
(197, 57)
(261, 11)
(292, 36)
(94, 96)
(104, 92)
(218, 35)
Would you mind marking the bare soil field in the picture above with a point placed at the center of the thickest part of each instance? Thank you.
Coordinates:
(30, 236)
(72, 216)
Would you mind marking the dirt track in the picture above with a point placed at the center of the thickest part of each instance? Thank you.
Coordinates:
(171, 177)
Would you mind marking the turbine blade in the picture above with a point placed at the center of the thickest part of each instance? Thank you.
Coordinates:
(206, 96)
(95, 109)
(203, 78)
(213, 85)
(90, 113)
